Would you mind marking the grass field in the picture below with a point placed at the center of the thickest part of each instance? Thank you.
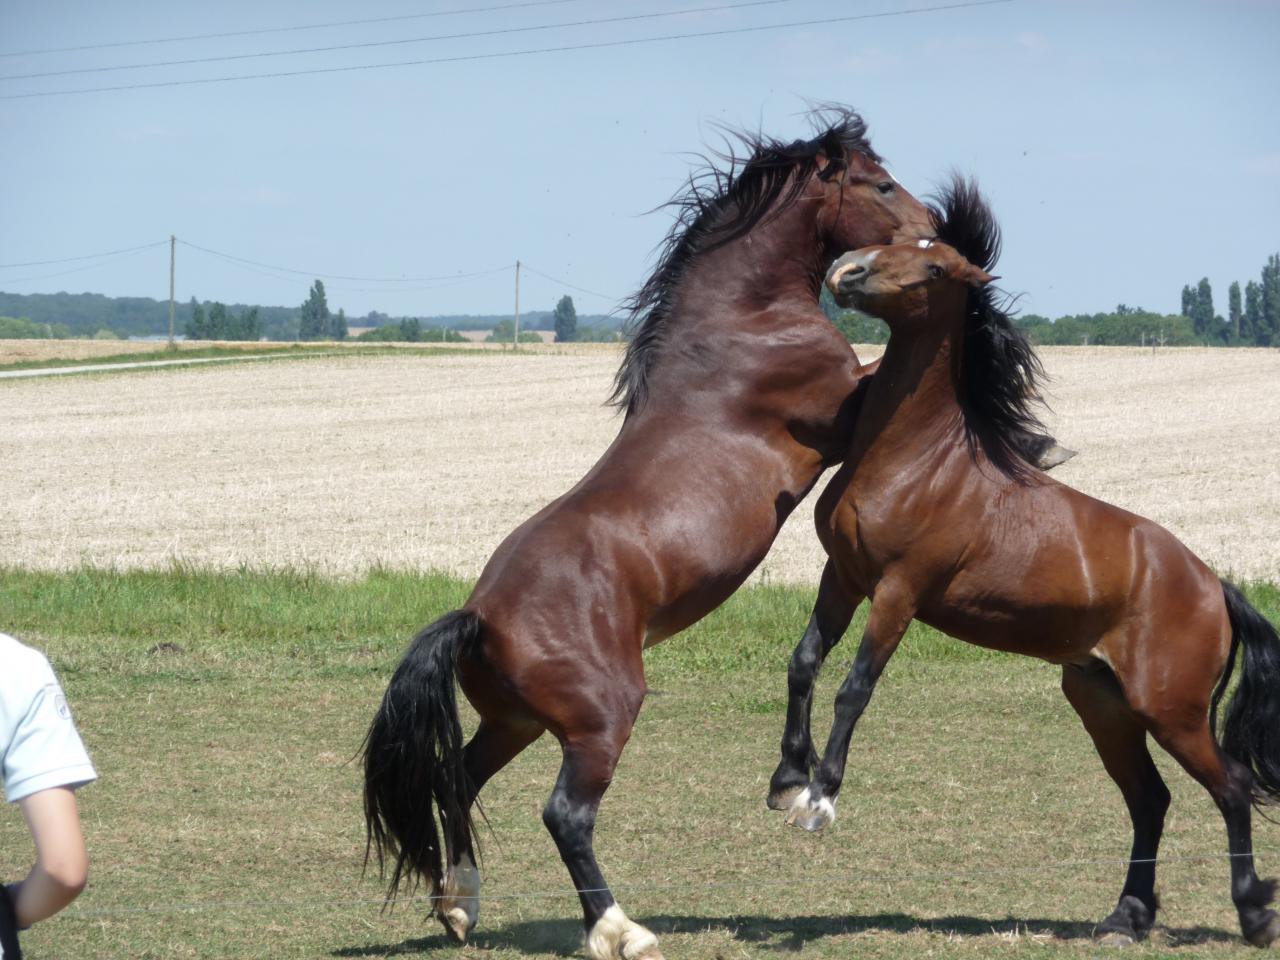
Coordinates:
(223, 710)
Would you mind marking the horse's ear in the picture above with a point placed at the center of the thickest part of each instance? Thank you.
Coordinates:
(830, 159)
(977, 277)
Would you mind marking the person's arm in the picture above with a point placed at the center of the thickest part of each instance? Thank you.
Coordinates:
(62, 863)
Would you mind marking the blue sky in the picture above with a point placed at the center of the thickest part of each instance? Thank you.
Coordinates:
(1128, 147)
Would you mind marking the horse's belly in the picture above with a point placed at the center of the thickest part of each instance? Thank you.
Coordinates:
(1054, 634)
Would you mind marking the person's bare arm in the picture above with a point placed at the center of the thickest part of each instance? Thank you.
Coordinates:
(62, 863)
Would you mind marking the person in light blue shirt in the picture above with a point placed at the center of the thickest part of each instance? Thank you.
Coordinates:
(42, 762)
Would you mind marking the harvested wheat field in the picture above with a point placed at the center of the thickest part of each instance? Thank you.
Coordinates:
(416, 460)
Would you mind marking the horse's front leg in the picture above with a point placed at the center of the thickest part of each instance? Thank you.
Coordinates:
(892, 608)
(827, 624)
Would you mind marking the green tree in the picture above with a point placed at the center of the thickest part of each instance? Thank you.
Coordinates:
(338, 325)
(1188, 301)
(246, 326)
(1252, 331)
(198, 325)
(504, 332)
(566, 320)
(20, 328)
(218, 321)
(1270, 295)
(313, 319)
(1202, 311)
(410, 330)
(1234, 311)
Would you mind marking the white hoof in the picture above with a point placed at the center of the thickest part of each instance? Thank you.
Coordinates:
(810, 814)
(458, 907)
(614, 937)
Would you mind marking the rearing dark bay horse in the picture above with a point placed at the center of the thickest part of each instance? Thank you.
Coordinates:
(738, 392)
(935, 518)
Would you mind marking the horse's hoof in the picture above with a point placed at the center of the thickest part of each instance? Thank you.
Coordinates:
(782, 799)
(809, 814)
(457, 924)
(1116, 938)
(1266, 932)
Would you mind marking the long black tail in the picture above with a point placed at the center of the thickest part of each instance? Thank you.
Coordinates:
(1251, 731)
(413, 759)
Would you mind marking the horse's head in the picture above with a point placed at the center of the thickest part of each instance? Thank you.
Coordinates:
(902, 282)
(861, 202)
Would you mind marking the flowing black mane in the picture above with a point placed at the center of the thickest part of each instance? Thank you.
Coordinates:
(1000, 373)
(717, 206)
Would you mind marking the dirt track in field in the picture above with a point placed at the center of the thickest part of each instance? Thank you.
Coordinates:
(423, 461)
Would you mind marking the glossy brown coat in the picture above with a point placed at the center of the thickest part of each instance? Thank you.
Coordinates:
(926, 519)
(748, 394)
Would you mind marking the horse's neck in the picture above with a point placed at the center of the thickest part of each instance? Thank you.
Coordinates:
(778, 262)
(912, 408)
(746, 325)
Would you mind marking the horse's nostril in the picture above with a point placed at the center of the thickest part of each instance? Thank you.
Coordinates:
(849, 276)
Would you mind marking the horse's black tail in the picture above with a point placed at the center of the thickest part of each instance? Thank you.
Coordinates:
(1251, 730)
(413, 759)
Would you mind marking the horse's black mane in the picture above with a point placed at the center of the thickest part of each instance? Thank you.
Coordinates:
(718, 206)
(1000, 373)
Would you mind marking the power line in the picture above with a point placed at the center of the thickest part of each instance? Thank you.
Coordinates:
(87, 256)
(729, 31)
(400, 42)
(563, 283)
(305, 26)
(335, 276)
(121, 255)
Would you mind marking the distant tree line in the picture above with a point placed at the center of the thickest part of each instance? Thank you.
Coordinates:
(219, 323)
(411, 330)
(20, 328)
(569, 330)
(1253, 320)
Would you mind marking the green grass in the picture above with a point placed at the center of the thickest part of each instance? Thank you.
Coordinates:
(223, 710)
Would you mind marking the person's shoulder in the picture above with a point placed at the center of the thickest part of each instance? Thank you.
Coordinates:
(23, 664)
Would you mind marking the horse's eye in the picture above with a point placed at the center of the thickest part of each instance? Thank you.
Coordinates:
(885, 186)
(935, 271)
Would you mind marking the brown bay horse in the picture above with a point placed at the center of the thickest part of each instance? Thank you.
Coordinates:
(738, 393)
(934, 517)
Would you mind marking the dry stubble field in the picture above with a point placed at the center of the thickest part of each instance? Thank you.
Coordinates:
(427, 461)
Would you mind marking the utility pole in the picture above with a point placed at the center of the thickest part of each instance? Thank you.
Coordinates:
(173, 244)
(515, 343)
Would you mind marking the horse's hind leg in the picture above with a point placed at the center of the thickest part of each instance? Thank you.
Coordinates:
(592, 733)
(1229, 782)
(494, 745)
(1121, 742)
(830, 618)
